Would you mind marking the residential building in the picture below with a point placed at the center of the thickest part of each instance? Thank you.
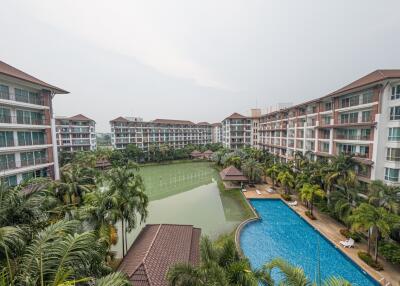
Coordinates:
(255, 123)
(236, 131)
(361, 119)
(175, 133)
(216, 133)
(75, 133)
(27, 126)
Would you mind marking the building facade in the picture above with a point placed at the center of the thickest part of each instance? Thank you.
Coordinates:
(27, 127)
(216, 133)
(76, 133)
(174, 133)
(236, 131)
(361, 119)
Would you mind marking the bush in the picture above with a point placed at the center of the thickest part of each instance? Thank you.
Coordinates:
(391, 251)
(367, 258)
(350, 234)
(286, 197)
(310, 215)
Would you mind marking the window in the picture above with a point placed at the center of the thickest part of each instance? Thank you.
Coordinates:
(349, 117)
(27, 96)
(347, 149)
(367, 97)
(395, 113)
(6, 139)
(366, 116)
(391, 175)
(24, 138)
(328, 106)
(27, 159)
(29, 117)
(394, 134)
(365, 134)
(393, 154)
(7, 162)
(349, 101)
(5, 115)
(364, 151)
(11, 181)
(395, 92)
(4, 92)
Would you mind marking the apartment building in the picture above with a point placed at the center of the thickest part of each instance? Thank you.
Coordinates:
(362, 119)
(236, 131)
(75, 133)
(216, 133)
(27, 127)
(175, 133)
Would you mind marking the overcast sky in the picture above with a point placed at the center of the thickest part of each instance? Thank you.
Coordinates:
(196, 60)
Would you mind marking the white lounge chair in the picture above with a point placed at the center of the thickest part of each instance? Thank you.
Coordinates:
(270, 191)
(293, 204)
(244, 190)
(347, 243)
(258, 192)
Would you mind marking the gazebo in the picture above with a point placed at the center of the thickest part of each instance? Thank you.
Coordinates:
(196, 154)
(207, 154)
(232, 177)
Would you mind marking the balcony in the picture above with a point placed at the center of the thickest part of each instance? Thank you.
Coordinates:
(23, 120)
(353, 137)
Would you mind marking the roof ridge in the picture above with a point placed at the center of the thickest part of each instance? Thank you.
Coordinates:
(152, 242)
(381, 73)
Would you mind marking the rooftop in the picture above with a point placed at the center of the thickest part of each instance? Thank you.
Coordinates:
(78, 117)
(11, 71)
(156, 249)
(231, 173)
(236, 115)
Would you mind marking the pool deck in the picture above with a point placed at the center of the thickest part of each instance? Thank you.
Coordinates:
(330, 228)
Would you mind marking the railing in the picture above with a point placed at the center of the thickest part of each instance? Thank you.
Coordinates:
(12, 165)
(393, 158)
(23, 120)
(353, 137)
(17, 98)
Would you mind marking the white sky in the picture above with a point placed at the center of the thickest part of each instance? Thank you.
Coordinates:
(196, 60)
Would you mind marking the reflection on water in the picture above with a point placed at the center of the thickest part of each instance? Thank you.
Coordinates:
(188, 194)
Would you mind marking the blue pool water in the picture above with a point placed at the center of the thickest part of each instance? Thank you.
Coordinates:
(283, 233)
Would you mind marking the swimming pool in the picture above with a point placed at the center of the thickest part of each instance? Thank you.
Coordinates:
(283, 233)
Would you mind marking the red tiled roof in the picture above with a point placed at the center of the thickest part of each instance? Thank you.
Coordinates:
(156, 249)
(231, 173)
(208, 152)
(236, 115)
(203, 123)
(16, 73)
(173, 121)
(80, 117)
(216, 124)
(371, 78)
(120, 119)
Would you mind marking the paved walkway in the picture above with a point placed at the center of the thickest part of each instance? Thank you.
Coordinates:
(330, 229)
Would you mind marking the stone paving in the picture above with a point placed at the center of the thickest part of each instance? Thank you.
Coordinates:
(330, 228)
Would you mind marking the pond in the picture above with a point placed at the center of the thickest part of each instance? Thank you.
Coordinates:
(188, 193)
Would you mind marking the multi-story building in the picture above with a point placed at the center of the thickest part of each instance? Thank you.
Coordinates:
(362, 119)
(175, 133)
(216, 133)
(27, 127)
(76, 133)
(236, 131)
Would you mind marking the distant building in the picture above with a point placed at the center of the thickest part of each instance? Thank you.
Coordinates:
(27, 127)
(174, 133)
(236, 131)
(216, 133)
(157, 248)
(75, 133)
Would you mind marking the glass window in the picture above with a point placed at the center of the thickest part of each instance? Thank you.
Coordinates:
(27, 159)
(5, 115)
(11, 181)
(365, 134)
(395, 113)
(391, 174)
(395, 92)
(366, 116)
(21, 95)
(394, 134)
(4, 92)
(7, 162)
(368, 97)
(6, 139)
(393, 154)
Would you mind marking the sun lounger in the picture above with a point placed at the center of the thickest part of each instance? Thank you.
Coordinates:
(347, 243)
(293, 204)
(258, 192)
(244, 190)
(270, 191)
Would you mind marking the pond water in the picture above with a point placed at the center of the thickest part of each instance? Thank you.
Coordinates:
(187, 193)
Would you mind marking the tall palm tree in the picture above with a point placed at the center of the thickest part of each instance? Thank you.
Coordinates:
(252, 169)
(128, 194)
(287, 181)
(233, 161)
(273, 173)
(382, 195)
(309, 192)
(295, 276)
(376, 220)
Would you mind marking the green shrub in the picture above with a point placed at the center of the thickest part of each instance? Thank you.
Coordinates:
(310, 215)
(350, 234)
(391, 251)
(286, 197)
(367, 258)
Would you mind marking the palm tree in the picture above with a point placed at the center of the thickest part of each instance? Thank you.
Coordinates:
(219, 266)
(273, 173)
(382, 195)
(309, 192)
(295, 276)
(233, 161)
(286, 179)
(252, 169)
(376, 220)
(127, 193)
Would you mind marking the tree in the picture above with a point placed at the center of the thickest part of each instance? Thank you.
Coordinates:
(127, 194)
(309, 192)
(233, 161)
(376, 220)
(382, 195)
(295, 276)
(252, 169)
(286, 179)
(134, 153)
(273, 173)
